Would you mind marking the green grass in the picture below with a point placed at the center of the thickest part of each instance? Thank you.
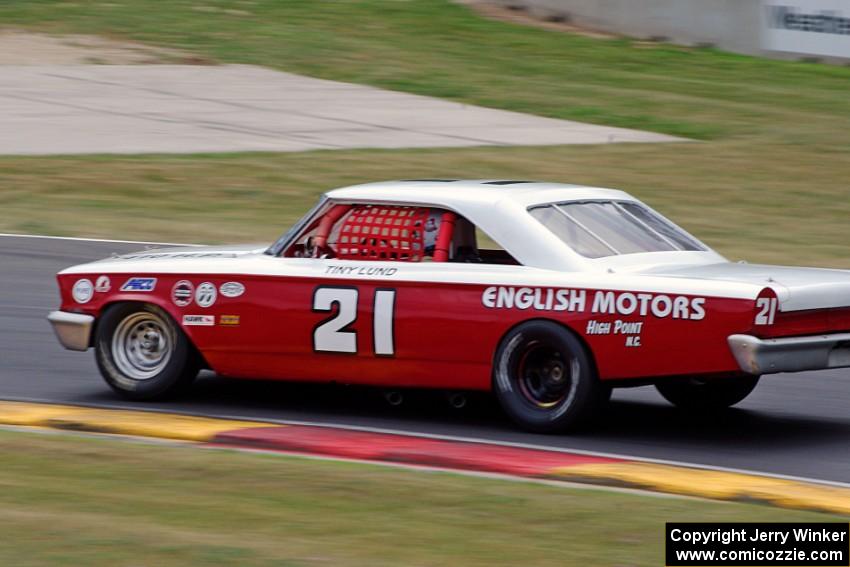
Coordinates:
(771, 181)
(439, 48)
(66, 500)
(792, 209)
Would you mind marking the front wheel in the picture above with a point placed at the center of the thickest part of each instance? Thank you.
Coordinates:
(698, 394)
(141, 353)
(544, 378)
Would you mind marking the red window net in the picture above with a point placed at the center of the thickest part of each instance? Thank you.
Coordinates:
(383, 233)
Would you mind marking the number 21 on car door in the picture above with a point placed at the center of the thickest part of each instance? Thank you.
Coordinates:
(337, 332)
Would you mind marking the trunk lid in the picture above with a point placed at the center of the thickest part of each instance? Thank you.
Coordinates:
(798, 289)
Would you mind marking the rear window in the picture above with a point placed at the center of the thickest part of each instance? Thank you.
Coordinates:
(596, 229)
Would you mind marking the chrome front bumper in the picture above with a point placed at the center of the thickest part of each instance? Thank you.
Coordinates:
(72, 329)
(790, 354)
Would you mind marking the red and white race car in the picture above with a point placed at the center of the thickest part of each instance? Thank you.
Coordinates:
(548, 294)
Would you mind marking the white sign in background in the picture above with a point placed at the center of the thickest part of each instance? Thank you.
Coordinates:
(812, 27)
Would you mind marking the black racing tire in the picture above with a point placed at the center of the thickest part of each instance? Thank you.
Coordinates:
(545, 379)
(703, 395)
(142, 353)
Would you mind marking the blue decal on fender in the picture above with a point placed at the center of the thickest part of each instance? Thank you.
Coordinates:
(139, 284)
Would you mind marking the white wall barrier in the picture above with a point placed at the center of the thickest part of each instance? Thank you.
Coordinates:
(781, 28)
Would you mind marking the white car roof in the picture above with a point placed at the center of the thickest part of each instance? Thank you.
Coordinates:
(462, 193)
(500, 209)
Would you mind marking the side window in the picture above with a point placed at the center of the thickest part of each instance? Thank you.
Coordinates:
(386, 233)
(490, 251)
(472, 245)
(371, 232)
(394, 233)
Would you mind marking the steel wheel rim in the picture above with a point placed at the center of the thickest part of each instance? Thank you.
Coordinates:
(142, 346)
(545, 378)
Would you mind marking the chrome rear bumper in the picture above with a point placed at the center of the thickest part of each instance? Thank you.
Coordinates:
(790, 354)
(72, 329)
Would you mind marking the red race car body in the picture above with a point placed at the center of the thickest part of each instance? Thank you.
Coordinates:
(546, 293)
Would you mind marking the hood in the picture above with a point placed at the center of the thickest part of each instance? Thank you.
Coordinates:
(227, 251)
(798, 289)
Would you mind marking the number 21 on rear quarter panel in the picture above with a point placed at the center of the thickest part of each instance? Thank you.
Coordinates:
(335, 334)
(766, 310)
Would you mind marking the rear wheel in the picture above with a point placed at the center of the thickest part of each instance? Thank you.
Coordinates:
(544, 378)
(142, 354)
(707, 395)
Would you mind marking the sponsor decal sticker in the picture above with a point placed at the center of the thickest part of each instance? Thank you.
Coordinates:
(82, 291)
(599, 302)
(229, 320)
(199, 320)
(182, 292)
(139, 284)
(205, 295)
(231, 289)
(631, 330)
(102, 284)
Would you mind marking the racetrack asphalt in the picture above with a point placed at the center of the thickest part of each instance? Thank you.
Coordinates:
(795, 424)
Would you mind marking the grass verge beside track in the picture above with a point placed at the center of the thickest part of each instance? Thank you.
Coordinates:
(766, 203)
(71, 500)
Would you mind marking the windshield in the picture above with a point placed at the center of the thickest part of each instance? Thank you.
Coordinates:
(596, 229)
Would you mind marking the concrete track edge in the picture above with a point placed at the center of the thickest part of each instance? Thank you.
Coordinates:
(409, 449)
